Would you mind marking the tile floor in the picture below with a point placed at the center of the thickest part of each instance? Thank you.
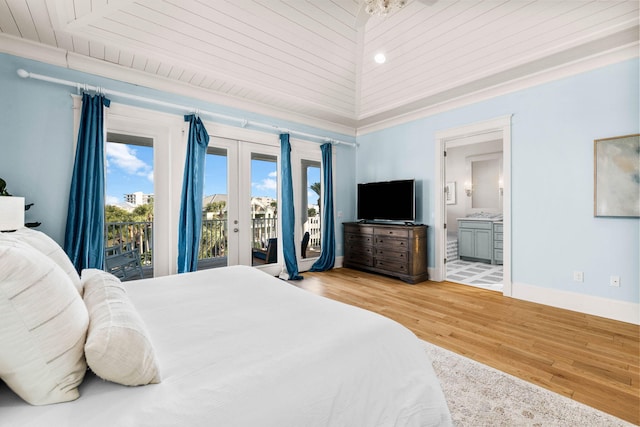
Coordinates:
(477, 274)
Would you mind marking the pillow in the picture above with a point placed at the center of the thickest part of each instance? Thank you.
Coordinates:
(43, 325)
(118, 347)
(50, 248)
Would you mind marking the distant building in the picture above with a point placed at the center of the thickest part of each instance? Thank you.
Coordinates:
(129, 207)
(138, 198)
(214, 198)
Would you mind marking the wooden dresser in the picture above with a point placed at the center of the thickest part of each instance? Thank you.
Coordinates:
(394, 250)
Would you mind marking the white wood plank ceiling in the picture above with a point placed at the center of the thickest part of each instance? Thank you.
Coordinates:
(315, 57)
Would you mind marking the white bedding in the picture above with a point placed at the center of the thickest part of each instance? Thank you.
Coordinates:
(237, 347)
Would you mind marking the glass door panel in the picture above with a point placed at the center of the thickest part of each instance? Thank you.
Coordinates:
(311, 207)
(215, 224)
(129, 206)
(263, 206)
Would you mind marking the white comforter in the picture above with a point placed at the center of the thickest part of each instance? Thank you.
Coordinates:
(240, 348)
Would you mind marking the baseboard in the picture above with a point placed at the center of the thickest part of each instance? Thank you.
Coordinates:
(597, 306)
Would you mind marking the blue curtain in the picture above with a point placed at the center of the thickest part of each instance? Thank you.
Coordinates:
(190, 221)
(288, 213)
(84, 236)
(328, 255)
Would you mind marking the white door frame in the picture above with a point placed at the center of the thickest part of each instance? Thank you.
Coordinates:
(169, 150)
(499, 124)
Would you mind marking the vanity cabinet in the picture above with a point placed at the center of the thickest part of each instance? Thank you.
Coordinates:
(394, 250)
(497, 243)
(475, 240)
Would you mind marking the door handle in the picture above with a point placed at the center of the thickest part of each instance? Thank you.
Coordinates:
(235, 230)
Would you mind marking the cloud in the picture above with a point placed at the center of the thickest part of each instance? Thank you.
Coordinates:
(125, 158)
(111, 200)
(266, 184)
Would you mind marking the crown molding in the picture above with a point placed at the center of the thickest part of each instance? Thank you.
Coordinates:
(31, 50)
(572, 68)
(59, 57)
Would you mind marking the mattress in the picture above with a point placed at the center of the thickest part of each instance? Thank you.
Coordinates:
(237, 347)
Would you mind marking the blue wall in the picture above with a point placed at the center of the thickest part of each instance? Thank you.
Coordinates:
(36, 142)
(554, 125)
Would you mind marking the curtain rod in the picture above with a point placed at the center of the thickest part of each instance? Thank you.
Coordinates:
(243, 122)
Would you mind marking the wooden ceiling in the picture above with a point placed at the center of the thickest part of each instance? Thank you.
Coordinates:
(315, 57)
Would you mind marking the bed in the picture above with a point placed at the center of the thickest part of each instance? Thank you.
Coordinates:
(237, 347)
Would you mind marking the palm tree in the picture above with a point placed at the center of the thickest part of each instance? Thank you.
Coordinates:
(315, 187)
(216, 207)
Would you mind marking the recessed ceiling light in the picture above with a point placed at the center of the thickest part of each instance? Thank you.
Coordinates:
(380, 58)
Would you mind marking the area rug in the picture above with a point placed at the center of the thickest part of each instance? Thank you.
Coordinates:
(479, 395)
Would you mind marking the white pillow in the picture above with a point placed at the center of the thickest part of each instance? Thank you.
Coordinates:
(50, 248)
(43, 325)
(118, 346)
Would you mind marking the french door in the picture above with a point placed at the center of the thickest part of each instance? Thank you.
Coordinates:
(240, 224)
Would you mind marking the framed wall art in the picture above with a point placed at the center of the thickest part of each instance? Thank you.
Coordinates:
(617, 176)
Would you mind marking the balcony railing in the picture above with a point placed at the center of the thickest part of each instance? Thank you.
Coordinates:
(134, 235)
(213, 241)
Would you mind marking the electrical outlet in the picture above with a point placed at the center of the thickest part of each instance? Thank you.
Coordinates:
(578, 276)
(614, 281)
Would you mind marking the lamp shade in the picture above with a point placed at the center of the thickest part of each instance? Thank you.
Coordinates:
(11, 213)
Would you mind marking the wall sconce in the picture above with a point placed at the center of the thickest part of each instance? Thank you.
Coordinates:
(501, 186)
(468, 188)
(11, 213)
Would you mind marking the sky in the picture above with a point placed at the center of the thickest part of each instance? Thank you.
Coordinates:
(130, 169)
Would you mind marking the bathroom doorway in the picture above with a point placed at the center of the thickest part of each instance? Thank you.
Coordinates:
(473, 214)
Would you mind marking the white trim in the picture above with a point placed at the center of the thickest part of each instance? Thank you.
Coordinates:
(169, 148)
(55, 56)
(52, 55)
(622, 311)
(24, 48)
(488, 128)
(566, 70)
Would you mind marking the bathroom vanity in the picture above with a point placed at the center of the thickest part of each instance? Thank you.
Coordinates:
(480, 239)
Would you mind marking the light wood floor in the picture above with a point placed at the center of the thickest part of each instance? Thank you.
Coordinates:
(589, 359)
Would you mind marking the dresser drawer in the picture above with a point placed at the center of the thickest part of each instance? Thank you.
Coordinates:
(358, 239)
(391, 255)
(392, 266)
(359, 249)
(359, 258)
(497, 228)
(358, 229)
(391, 243)
(394, 232)
(497, 237)
(497, 244)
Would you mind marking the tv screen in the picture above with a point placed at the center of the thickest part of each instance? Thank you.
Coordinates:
(388, 201)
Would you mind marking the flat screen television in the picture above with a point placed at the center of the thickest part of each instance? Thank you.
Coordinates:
(387, 201)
